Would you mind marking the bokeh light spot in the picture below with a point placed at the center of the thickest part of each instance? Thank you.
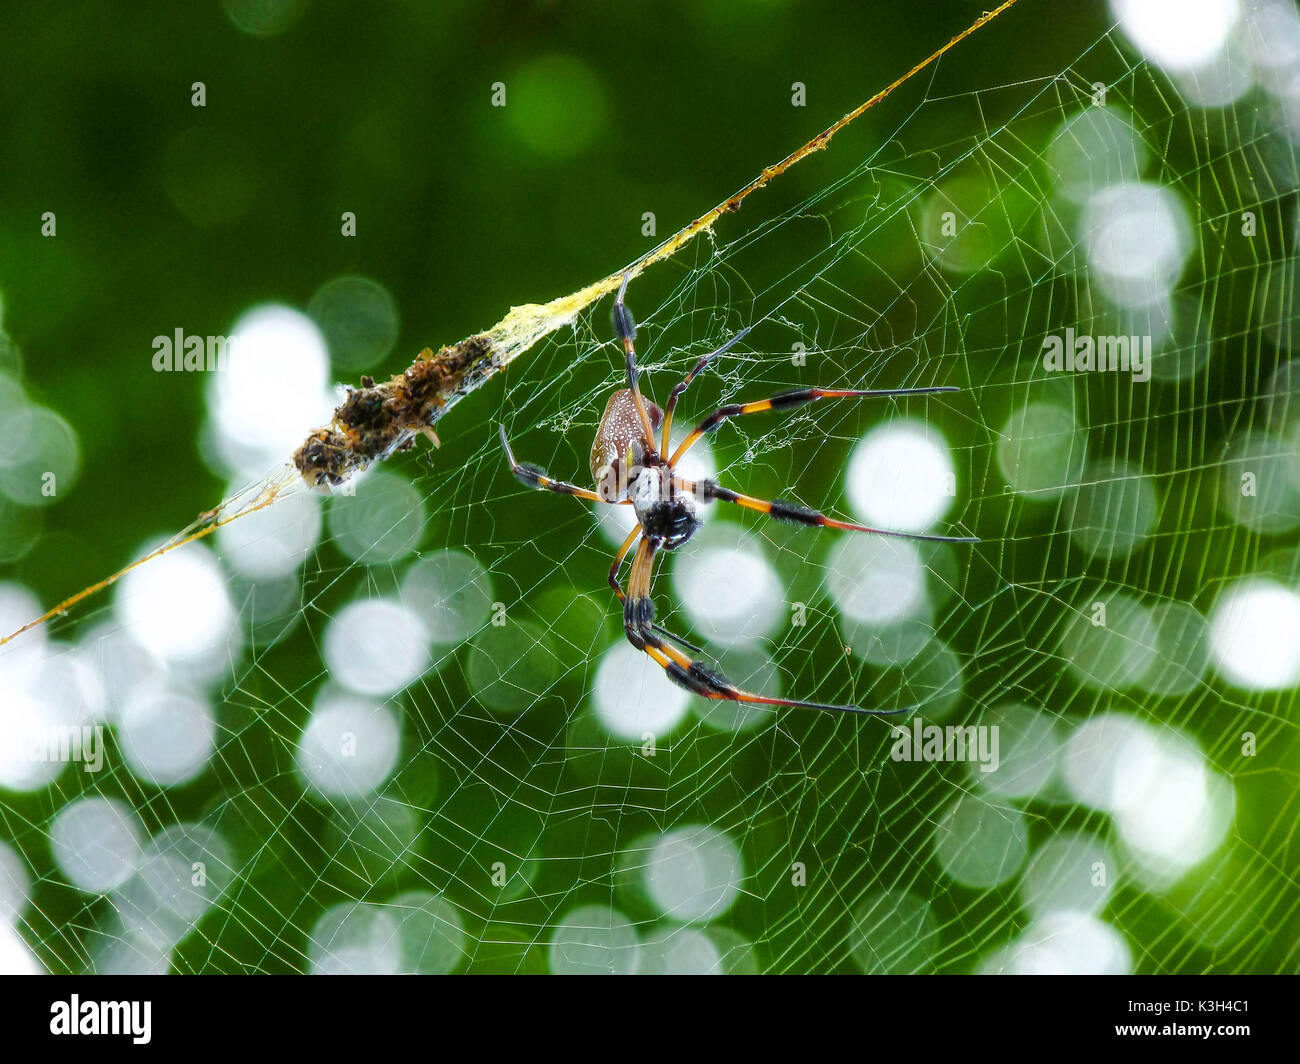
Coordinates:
(901, 477)
(1254, 636)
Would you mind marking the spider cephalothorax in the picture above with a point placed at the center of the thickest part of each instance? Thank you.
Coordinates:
(665, 507)
(629, 469)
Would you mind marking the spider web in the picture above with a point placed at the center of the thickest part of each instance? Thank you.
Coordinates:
(514, 829)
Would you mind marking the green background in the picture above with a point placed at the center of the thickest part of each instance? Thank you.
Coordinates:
(464, 210)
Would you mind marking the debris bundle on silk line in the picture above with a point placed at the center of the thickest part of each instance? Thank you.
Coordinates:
(380, 419)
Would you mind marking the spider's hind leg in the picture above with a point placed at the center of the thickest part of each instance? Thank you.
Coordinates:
(536, 477)
(625, 330)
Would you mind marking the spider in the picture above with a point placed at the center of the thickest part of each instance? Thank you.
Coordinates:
(629, 469)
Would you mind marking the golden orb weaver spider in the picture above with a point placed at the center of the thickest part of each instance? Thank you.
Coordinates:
(628, 469)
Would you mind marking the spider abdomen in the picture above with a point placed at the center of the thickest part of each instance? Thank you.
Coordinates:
(619, 436)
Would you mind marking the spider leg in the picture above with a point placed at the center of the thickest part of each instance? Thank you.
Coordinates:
(696, 676)
(685, 383)
(677, 639)
(702, 679)
(632, 537)
(785, 400)
(618, 588)
(802, 515)
(625, 330)
(536, 477)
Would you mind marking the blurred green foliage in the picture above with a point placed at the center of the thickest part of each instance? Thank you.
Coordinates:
(384, 110)
(174, 216)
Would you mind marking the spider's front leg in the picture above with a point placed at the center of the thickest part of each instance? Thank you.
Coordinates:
(641, 631)
(639, 608)
(647, 606)
(697, 677)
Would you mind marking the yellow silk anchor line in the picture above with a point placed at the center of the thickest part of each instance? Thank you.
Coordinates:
(435, 382)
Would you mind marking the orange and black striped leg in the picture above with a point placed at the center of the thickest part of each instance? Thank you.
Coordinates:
(802, 515)
(785, 401)
(696, 676)
(647, 608)
(639, 615)
(638, 607)
(632, 537)
(625, 330)
(685, 383)
(702, 679)
(536, 477)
